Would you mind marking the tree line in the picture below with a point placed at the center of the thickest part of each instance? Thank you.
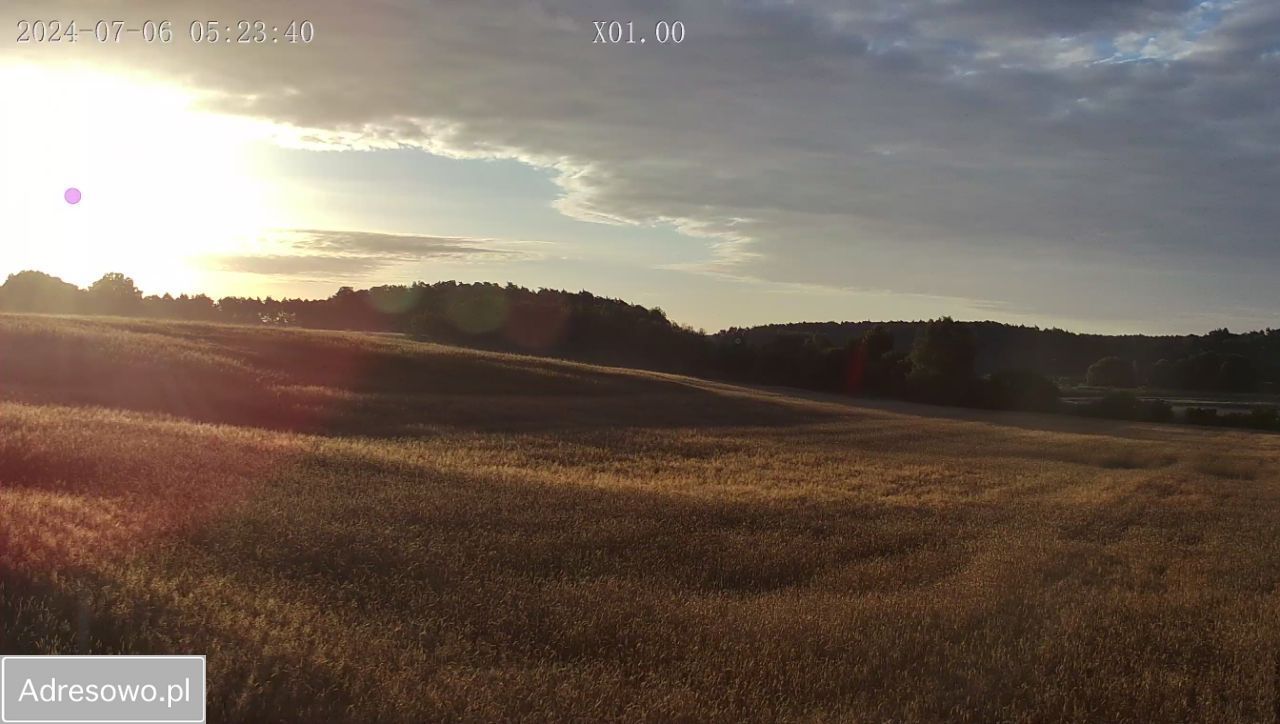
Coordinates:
(1204, 370)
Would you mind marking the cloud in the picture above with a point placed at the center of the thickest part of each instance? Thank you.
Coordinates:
(1022, 151)
(358, 254)
(294, 265)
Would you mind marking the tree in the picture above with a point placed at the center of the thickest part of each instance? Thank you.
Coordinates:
(33, 291)
(478, 309)
(942, 362)
(199, 307)
(1199, 371)
(877, 342)
(867, 366)
(1112, 372)
(114, 293)
(241, 310)
(1237, 374)
(1163, 375)
(944, 349)
(1022, 390)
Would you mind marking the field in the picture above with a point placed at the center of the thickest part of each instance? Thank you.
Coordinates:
(367, 528)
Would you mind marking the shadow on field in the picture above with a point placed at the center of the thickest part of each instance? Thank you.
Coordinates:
(446, 529)
(337, 383)
(360, 580)
(83, 612)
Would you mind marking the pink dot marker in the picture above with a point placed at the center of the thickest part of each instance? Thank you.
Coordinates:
(72, 195)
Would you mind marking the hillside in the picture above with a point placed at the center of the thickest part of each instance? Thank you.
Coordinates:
(369, 528)
(317, 381)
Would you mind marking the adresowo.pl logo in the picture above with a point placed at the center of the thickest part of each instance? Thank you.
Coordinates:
(102, 689)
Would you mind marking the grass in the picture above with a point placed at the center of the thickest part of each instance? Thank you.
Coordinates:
(364, 528)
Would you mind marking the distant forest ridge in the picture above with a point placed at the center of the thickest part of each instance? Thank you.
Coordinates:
(584, 326)
(1050, 351)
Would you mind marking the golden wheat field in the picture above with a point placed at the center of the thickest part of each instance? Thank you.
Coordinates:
(365, 528)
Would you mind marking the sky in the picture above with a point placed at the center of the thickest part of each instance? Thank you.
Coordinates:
(1098, 165)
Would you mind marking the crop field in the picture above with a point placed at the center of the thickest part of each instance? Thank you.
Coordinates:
(367, 528)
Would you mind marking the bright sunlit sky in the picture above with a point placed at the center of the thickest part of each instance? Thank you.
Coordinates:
(1101, 166)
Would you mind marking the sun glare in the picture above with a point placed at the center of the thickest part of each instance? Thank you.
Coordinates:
(160, 183)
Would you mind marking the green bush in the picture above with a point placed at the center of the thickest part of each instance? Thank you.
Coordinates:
(1112, 372)
(1020, 390)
